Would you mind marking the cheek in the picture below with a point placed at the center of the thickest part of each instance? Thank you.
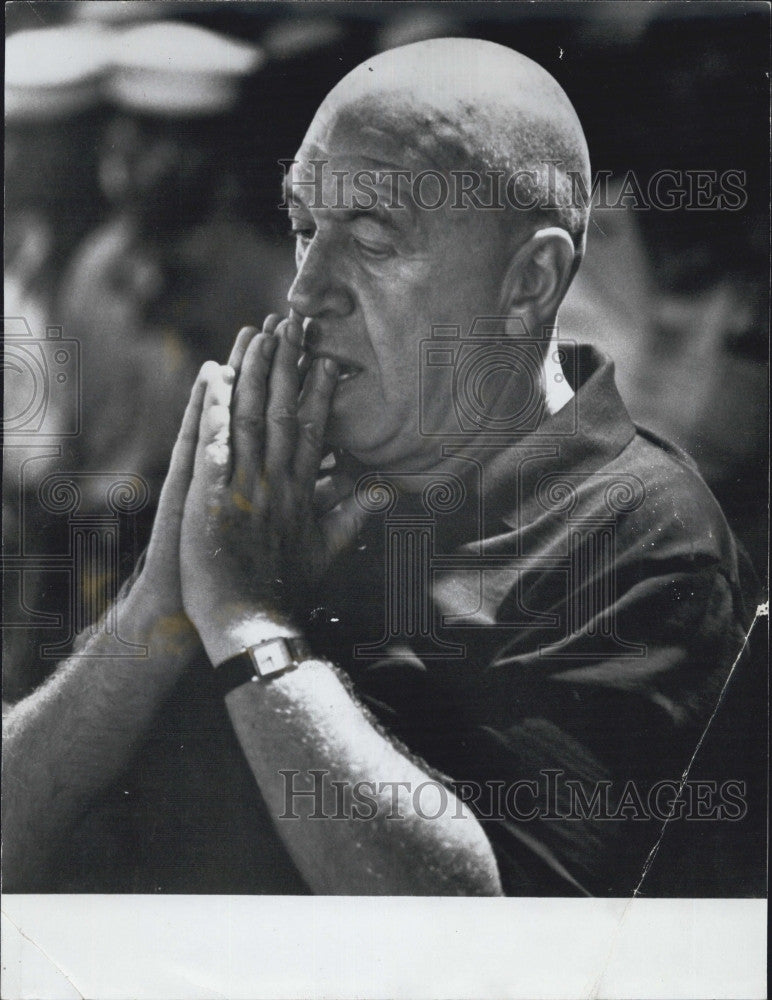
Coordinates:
(396, 318)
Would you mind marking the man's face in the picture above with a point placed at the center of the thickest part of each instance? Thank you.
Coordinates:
(376, 279)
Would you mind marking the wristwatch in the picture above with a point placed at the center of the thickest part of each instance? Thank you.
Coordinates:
(262, 662)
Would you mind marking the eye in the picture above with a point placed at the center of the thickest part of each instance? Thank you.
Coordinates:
(372, 250)
(303, 234)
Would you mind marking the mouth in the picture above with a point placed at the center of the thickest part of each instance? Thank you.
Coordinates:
(347, 370)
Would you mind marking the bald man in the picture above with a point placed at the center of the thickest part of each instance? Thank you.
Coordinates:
(467, 623)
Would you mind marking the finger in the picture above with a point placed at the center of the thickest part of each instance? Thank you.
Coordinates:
(175, 488)
(310, 341)
(213, 449)
(248, 419)
(281, 411)
(271, 322)
(342, 525)
(312, 419)
(244, 338)
(239, 349)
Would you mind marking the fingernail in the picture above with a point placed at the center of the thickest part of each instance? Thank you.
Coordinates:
(228, 374)
(330, 366)
(294, 332)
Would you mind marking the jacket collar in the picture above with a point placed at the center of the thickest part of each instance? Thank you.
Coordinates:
(587, 433)
(591, 430)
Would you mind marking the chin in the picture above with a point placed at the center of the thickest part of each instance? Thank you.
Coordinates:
(392, 458)
(381, 449)
(366, 452)
(339, 435)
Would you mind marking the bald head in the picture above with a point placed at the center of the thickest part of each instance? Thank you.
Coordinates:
(384, 260)
(466, 104)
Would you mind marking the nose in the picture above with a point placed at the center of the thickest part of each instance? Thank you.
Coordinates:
(317, 289)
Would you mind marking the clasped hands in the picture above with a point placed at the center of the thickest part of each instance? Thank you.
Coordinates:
(243, 530)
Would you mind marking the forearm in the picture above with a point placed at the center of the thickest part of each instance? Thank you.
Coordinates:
(249, 529)
(69, 739)
(306, 721)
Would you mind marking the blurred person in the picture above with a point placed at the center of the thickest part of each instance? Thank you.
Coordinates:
(678, 293)
(53, 81)
(710, 342)
(160, 286)
(53, 119)
(542, 648)
(157, 287)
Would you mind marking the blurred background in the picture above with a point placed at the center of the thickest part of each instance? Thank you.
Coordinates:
(142, 141)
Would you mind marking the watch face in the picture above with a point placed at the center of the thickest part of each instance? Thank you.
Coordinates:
(272, 657)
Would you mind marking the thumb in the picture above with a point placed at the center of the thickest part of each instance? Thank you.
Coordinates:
(175, 488)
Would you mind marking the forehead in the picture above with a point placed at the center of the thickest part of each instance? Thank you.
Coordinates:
(378, 134)
(389, 161)
(378, 127)
(318, 179)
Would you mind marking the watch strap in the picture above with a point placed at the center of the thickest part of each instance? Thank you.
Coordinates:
(262, 662)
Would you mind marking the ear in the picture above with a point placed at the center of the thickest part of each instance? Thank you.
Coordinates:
(538, 277)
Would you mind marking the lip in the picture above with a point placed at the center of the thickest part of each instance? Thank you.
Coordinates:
(347, 369)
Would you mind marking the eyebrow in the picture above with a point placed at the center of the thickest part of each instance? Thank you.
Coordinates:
(378, 213)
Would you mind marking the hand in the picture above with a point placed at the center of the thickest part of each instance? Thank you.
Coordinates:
(252, 542)
(159, 582)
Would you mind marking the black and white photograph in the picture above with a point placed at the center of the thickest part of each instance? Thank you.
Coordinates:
(385, 499)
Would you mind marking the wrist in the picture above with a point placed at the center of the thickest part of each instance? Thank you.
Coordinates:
(229, 634)
(147, 619)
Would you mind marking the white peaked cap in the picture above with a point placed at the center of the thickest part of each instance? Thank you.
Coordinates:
(124, 11)
(53, 72)
(176, 69)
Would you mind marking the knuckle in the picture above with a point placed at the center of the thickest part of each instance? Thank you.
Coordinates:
(217, 454)
(283, 416)
(312, 432)
(208, 371)
(248, 421)
(218, 415)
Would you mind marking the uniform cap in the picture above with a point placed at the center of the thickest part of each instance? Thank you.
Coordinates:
(53, 72)
(169, 68)
(121, 12)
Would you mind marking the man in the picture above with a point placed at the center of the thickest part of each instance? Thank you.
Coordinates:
(462, 633)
